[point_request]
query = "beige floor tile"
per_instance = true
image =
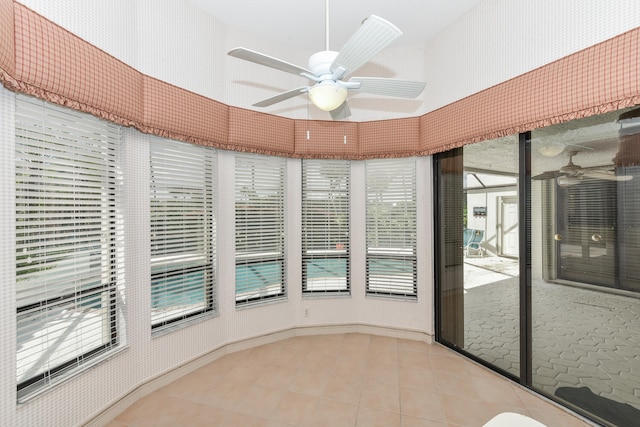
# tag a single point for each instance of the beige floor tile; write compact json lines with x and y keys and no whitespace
{"x":294,"y":408}
{"x":414,"y":359}
{"x":191,"y":386}
{"x":205,"y":415}
{"x":385,"y":373}
{"x":332,"y":413}
{"x":533,"y":402}
{"x":465,"y":412}
{"x":157,"y":409}
{"x":353,"y":350}
{"x":356,"y":339}
{"x":494,"y":389}
{"x":349,"y":365}
{"x":225,"y":363}
{"x":226,"y":394}
{"x":259,"y":401}
{"x":476,"y":370}
{"x":412,"y":345}
{"x":345,"y":388}
{"x":309,"y":382}
{"x":276,"y":376}
{"x":455,"y":385}
{"x":236,"y":419}
{"x":259,"y":422}
{"x":383,"y":350}
{"x":326,"y":343}
{"x":377,"y":340}
{"x":320,"y":360}
{"x":421,"y":404}
{"x":301,"y":342}
{"x":247,"y":373}
{"x":340,"y":380}
{"x":268,"y":353}
{"x":369,"y":417}
{"x":449,"y":363}
{"x":439,"y":349}
{"x":417,"y":379}
{"x":408,"y":421}
{"x":380,"y":396}
{"x":291,"y":358}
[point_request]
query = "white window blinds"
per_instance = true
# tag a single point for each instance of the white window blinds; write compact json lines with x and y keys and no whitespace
{"x":325,"y":226}
{"x":67,"y":241}
{"x":259,"y":189}
{"x":391,"y":227}
{"x":183,"y":232}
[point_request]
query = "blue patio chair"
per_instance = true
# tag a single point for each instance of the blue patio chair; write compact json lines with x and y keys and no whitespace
{"x":472,"y":239}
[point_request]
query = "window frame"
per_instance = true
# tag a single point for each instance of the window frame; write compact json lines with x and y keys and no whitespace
{"x":52,"y":144}
{"x":314,"y":185}
{"x":172,"y":161}
{"x":381,"y":261}
{"x":260,"y":188}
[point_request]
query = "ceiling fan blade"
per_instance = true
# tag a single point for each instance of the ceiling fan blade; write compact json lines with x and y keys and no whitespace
{"x":281,"y":97}
{"x":342,"y":112}
{"x":547,"y":175}
{"x":389,"y":87}
{"x":267,"y":61}
{"x":606,"y":175}
{"x":373,"y":35}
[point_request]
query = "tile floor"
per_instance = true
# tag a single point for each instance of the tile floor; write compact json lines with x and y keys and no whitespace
{"x":340,"y":380}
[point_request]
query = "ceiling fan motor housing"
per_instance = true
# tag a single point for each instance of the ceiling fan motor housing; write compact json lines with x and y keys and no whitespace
{"x":320,"y":63}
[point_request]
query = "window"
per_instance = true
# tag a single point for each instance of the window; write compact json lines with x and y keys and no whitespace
{"x":67,"y":241}
{"x":391,"y":227}
{"x":325,"y":226}
{"x":182,"y":232}
{"x":259,"y":190}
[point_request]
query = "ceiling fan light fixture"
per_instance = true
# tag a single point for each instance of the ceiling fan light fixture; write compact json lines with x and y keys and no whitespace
{"x":327,"y":95}
{"x":550,"y":149}
{"x":629,"y":122}
{"x":568,"y":181}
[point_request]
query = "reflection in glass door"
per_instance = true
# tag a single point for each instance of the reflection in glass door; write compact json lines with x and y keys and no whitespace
{"x":574,"y":315}
{"x":479,"y":274}
{"x":585,"y":240}
{"x":586,"y":231}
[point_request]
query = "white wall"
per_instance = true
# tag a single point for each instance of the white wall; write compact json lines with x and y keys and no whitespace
{"x":501,"y":39}
{"x":490,"y":199}
{"x":497,"y":40}
{"x":146,"y":356}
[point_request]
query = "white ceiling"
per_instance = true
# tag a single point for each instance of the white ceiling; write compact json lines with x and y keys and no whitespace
{"x":301,"y":23}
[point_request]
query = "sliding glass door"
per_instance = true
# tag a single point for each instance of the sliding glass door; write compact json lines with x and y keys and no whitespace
{"x":478,"y":218}
{"x":586,"y":248}
{"x":538,"y":260}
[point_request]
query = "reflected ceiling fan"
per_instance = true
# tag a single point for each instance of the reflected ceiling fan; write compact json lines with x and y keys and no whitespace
{"x":572,"y":174}
{"x":328,"y":69}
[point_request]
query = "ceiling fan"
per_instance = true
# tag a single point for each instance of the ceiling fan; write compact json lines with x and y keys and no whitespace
{"x":571,"y":174}
{"x":328,"y":69}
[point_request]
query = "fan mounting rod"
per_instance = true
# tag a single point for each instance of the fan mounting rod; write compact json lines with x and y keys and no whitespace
{"x":326,"y":25}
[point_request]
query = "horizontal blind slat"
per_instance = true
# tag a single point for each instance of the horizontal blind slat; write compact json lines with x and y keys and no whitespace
{"x":182,"y":197}
{"x":67,"y":261}
{"x":259,"y":222}
{"x":325,"y":225}
{"x":391,"y":226}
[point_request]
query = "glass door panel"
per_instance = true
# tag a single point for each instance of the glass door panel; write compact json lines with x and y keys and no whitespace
{"x":479,"y":269}
{"x":585,"y":198}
